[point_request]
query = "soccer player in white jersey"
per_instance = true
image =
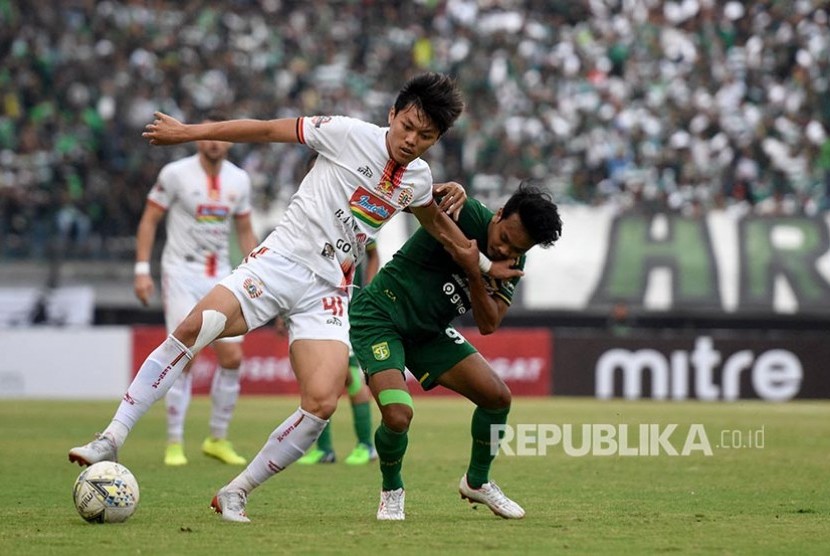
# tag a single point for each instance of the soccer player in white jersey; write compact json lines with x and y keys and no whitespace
{"x":365,"y":174}
{"x":201,"y":196}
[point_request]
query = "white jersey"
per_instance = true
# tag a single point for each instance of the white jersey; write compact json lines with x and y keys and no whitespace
{"x":353,"y":189}
{"x":200,"y":212}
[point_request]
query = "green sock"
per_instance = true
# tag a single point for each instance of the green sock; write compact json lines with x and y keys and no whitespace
{"x":391,"y":447}
{"x":481,"y":455}
{"x":324,"y":442}
{"x":362,"y":413}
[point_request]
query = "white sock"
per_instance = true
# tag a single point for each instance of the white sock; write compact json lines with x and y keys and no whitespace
{"x":155,"y":377}
{"x":224,"y":391}
{"x":287,"y":444}
{"x":177,"y":401}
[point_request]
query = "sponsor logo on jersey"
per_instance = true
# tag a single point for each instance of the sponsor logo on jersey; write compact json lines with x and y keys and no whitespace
{"x":386,"y":188}
{"x":212,"y":213}
{"x":335,"y":321}
{"x":328,"y":251}
{"x":252,"y":287}
{"x":366,"y":171}
{"x":369,"y":208}
{"x":381,"y":351}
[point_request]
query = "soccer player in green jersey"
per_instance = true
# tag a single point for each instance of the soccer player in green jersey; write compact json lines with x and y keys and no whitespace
{"x":451,"y":197}
{"x":403,"y":320}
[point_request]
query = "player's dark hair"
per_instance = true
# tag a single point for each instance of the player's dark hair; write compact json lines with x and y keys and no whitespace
{"x":539,"y":215}
{"x":436,"y":95}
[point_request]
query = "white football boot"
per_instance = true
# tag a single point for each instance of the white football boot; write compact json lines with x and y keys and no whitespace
{"x":231,"y":504}
{"x":103,"y":448}
{"x":491,"y":496}
{"x":391,"y":505}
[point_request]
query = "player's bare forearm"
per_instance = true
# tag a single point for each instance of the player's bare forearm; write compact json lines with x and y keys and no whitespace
{"x":245,"y":234}
{"x":145,"y":236}
{"x":488,"y":311}
{"x":250,"y":131}
{"x":166,"y":130}
{"x":442,"y":228}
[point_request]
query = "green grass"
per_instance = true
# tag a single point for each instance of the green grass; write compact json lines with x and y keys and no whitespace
{"x":738,"y":501}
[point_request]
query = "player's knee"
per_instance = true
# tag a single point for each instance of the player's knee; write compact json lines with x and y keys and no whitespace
{"x":200,"y":329}
{"x":232,"y":360}
{"x":499,"y":397}
{"x":397,"y":417}
{"x":187,"y":330}
{"x":322,"y":406}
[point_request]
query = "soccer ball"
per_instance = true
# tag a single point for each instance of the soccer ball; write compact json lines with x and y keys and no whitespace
{"x":106,"y":492}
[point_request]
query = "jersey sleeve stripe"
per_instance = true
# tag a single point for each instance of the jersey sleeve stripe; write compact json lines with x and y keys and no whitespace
{"x":298,"y":126}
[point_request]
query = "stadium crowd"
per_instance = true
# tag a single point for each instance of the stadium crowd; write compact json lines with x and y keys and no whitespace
{"x":677,"y":106}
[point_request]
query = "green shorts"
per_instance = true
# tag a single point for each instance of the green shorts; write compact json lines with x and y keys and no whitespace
{"x":380,"y":346}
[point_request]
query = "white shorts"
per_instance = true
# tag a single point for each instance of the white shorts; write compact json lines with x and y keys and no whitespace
{"x":180,"y":293}
{"x":269,"y":285}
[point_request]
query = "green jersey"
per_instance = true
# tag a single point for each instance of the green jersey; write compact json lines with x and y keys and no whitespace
{"x":360,"y":271}
{"x":423,"y":289}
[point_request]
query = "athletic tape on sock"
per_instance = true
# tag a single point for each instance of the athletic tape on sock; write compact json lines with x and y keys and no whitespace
{"x":387,"y":397}
{"x":213,"y":323}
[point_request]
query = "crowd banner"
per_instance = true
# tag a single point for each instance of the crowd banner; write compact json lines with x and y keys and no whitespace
{"x":717,"y":265}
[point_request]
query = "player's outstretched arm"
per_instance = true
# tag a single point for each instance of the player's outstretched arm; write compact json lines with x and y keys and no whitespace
{"x":167,"y":130}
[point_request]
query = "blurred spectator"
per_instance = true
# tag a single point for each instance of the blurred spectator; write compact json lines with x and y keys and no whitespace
{"x":683,"y":106}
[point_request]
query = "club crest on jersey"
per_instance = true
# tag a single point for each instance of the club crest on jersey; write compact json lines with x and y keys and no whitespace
{"x":405,"y":196}
{"x":381,"y":351}
{"x":212,"y":213}
{"x":252,"y":287}
{"x":369,"y":208}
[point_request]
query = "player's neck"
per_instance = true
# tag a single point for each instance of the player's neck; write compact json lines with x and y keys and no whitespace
{"x":210,"y":167}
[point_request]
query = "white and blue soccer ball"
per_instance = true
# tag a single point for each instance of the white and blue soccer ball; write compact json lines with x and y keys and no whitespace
{"x":106,"y":492}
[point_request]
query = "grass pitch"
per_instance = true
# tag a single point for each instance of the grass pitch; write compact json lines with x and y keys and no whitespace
{"x":760,"y":500}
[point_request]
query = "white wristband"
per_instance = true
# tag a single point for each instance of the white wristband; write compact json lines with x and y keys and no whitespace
{"x":484,"y":264}
{"x":143,"y":268}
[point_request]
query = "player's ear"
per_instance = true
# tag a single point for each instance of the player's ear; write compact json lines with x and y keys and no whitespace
{"x":498,"y":214}
{"x":391,"y":115}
